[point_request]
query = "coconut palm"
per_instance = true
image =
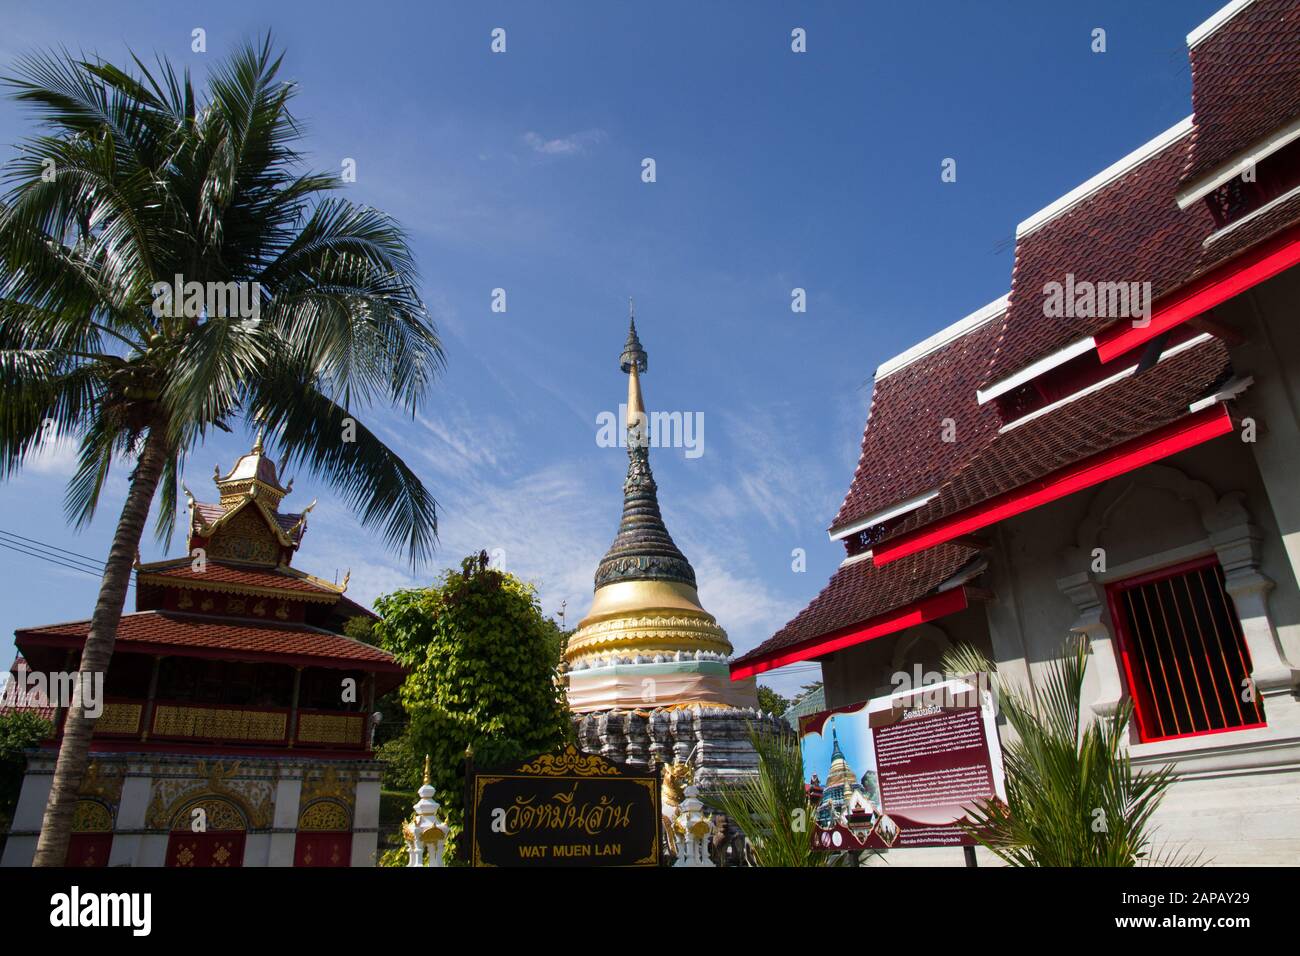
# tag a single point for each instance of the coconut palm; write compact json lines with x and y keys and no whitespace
{"x":137,"y":182}
{"x":1073,"y":797}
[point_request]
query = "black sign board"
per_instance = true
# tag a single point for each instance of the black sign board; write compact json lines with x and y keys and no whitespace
{"x":564,"y":809}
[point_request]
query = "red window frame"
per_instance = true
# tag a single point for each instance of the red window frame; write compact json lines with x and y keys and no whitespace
{"x":1144,"y":707}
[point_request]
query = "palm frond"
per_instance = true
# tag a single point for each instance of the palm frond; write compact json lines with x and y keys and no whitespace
{"x":1073,"y":796}
{"x":313,"y":432}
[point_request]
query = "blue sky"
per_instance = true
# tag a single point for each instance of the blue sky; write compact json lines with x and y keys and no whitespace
{"x":854,"y":734}
{"x":774,"y":170}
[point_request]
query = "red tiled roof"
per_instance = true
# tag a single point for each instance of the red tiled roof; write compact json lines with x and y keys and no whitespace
{"x":1095,"y":423}
{"x":1129,"y":230}
{"x":903,"y":451}
{"x":238,"y":639}
{"x":217,"y":573}
{"x":1245,"y":83}
{"x":861,"y":591}
{"x":18,"y":698}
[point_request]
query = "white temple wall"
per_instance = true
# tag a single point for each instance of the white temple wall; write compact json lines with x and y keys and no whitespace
{"x":1234,"y":786}
{"x":144,"y":795}
{"x":1270,"y":353}
{"x":1238,"y":797}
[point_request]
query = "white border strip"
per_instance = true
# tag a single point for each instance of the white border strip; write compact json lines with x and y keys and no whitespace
{"x":963,"y":575}
{"x":1238,"y":164}
{"x":1030,"y":372}
{"x":941,"y":338}
{"x":1266,"y":208}
{"x":1104,"y":383}
{"x":1216,"y":20}
{"x":1231,"y":390}
{"x":876,"y":517}
{"x":855,"y":559}
{"x":1107,"y":175}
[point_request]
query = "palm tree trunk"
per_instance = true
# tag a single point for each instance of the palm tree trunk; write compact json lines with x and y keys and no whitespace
{"x":74,"y":751}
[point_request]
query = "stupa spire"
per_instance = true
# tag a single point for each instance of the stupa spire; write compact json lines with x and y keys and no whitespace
{"x":646,"y":611}
{"x":633,"y":362}
{"x":643,"y":550}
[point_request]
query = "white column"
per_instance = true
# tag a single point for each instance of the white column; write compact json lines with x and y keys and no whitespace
{"x":127,"y":846}
{"x":20,"y":849}
{"x":365,"y":818}
{"x":1084,"y":593}
{"x":1238,"y":551}
{"x":284,"y":833}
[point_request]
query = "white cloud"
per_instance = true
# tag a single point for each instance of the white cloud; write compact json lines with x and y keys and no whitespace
{"x":56,"y":456}
{"x":569,"y":145}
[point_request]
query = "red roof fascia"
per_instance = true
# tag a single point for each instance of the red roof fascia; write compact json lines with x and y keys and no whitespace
{"x":1214,"y":288}
{"x":918,"y":612}
{"x":1177,"y":436}
{"x":221,"y":653}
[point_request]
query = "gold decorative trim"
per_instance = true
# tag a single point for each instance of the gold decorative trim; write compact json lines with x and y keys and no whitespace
{"x":331,"y":729}
{"x":330,"y":784}
{"x":210,"y":785}
{"x":570,"y":761}
{"x":119,"y":718}
{"x":268,"y":514}
{"x":218,"y":723}
{"x":676,"y":631}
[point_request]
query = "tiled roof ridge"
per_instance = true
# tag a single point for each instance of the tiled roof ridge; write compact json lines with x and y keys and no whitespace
{"x":862,"y":457}
{"x":328,"y":649}
{"x":1127,"y":165}
{"x":895,"y":585}
{"x":1211,"y":24}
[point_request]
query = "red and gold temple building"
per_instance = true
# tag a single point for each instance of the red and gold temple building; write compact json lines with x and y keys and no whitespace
{"x":1124,"y":474}
{"x":237,"y":720}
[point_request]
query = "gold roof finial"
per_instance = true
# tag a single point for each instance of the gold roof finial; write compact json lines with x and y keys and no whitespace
{"x":257,"y":442}
{"x":633,"y":362}
{"x":426,"y":770}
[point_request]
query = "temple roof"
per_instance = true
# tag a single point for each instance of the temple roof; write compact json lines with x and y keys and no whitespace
{"x":903,"y":451}
{"x":859,"y":591}
{"x":255,"y":466}
{"x":1124,"y":225}
{"x":223,"y":576}
{"x":1245,"y":81}
{"x":1109,"y":417}
{"x":234,"y":638}
{"x":642,"y":550}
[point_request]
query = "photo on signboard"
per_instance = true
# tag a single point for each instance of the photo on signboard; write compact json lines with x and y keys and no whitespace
{"x":901,"y":770}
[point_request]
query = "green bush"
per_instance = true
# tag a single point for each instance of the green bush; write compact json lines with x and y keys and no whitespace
{"x":482,"y":662}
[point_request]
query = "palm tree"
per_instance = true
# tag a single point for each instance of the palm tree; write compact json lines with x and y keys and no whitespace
{"x":136,"y":183}
{"x":1073,"y":797}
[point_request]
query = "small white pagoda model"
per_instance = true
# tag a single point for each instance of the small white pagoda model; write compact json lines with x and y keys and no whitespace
{"x":425,"y":834}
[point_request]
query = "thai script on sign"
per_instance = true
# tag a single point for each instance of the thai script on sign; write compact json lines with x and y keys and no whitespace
{"x":563,"y":812}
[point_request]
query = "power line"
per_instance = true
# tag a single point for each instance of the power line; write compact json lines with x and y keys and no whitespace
{"x":75,"y":554}
{"x":52,"y":554}
{"x":52,"y":559}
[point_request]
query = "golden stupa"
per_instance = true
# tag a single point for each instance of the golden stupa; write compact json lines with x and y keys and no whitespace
{"x":647,"y":642}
